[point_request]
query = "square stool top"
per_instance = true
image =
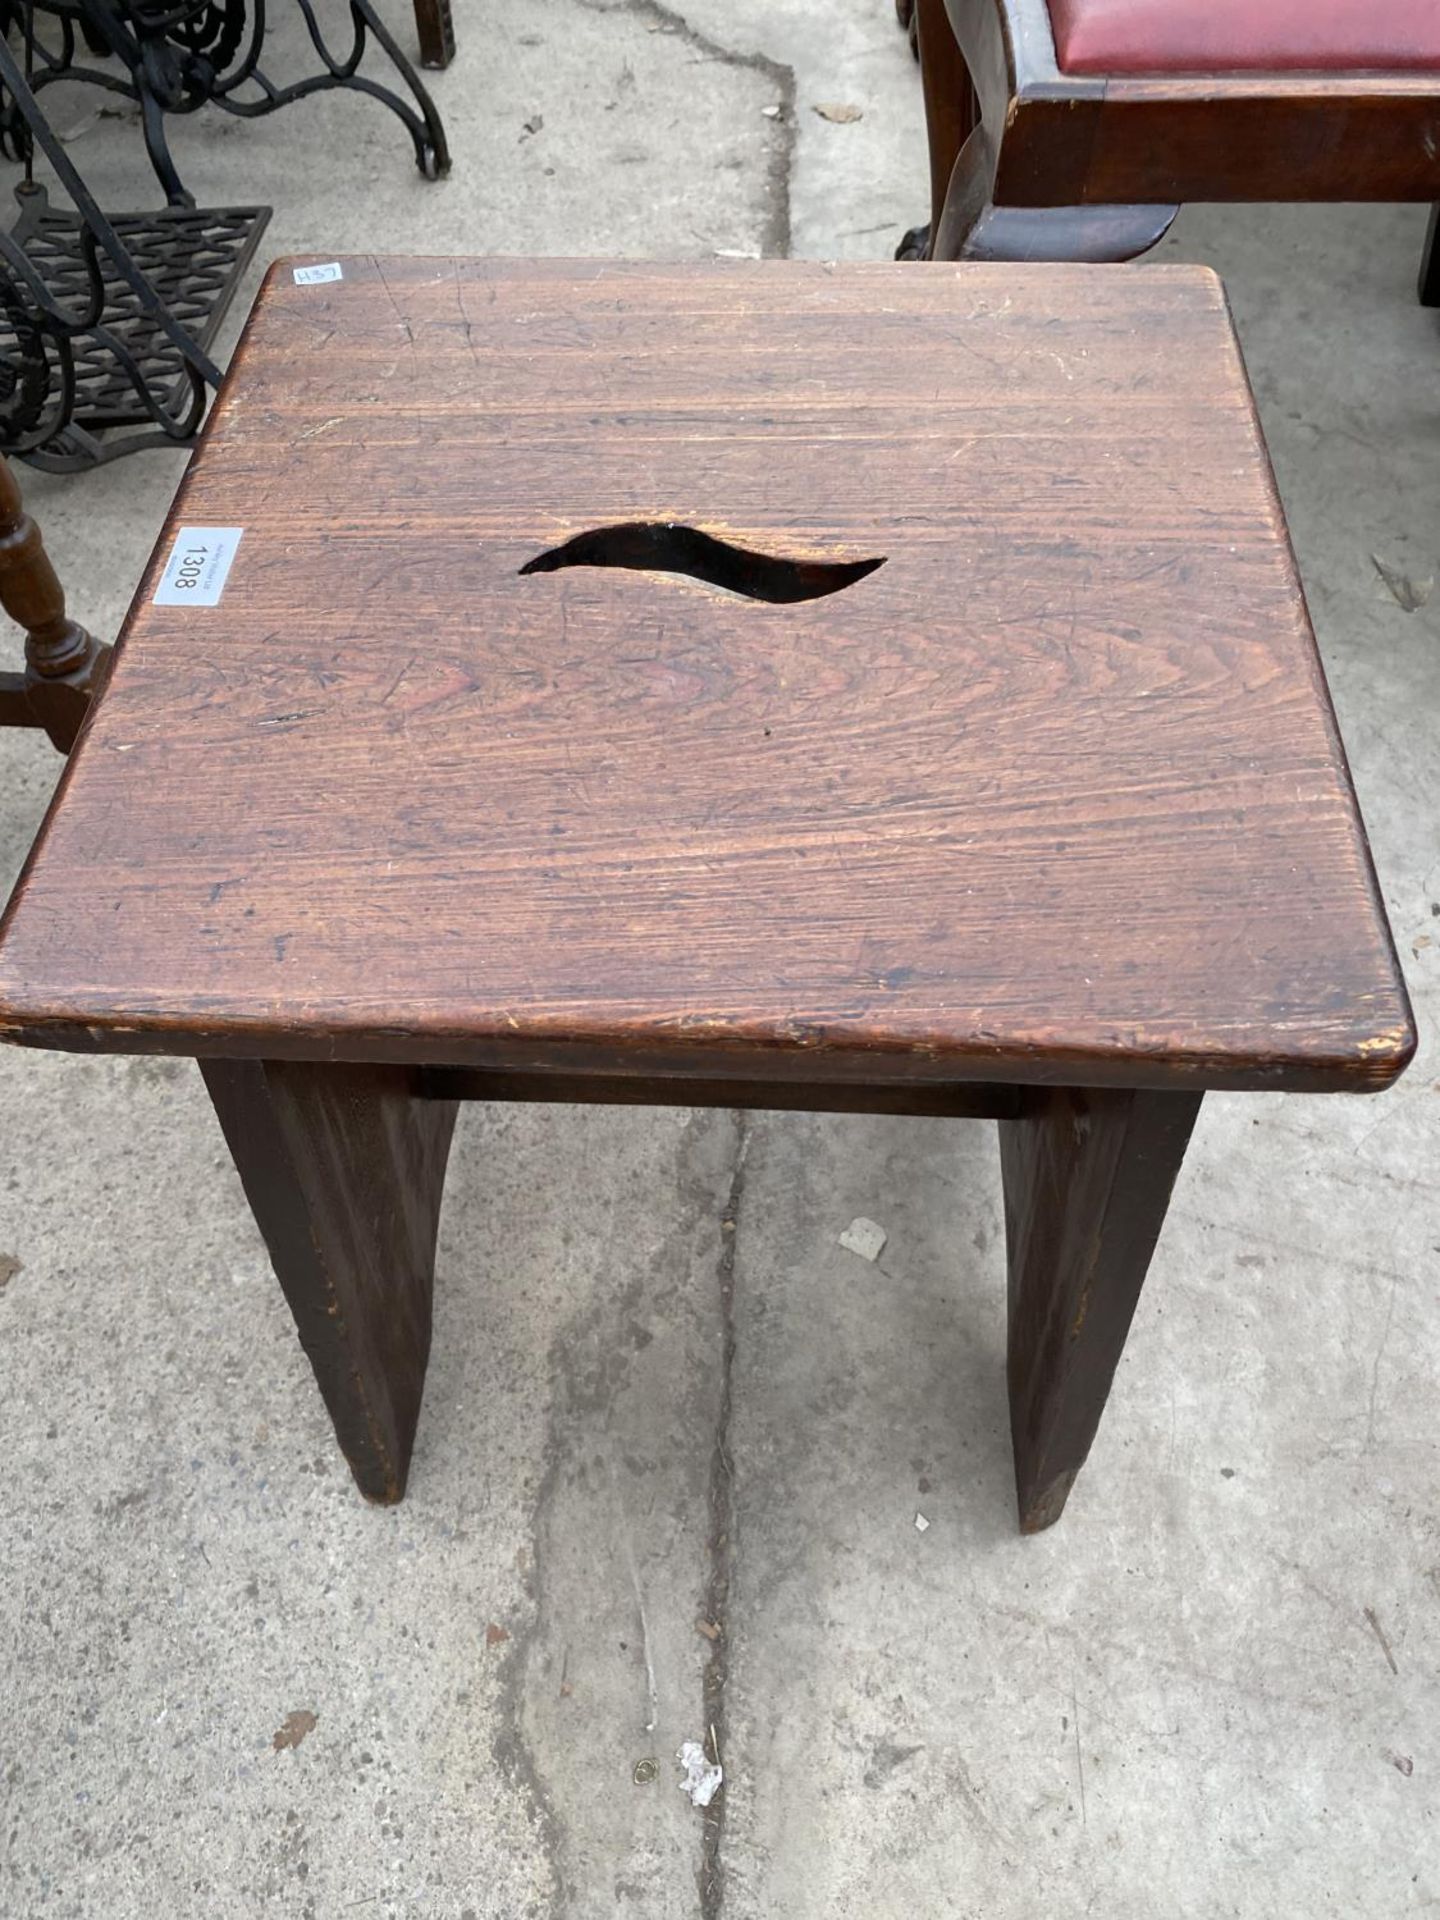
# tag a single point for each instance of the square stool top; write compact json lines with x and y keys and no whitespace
{"x":1055,"y":793}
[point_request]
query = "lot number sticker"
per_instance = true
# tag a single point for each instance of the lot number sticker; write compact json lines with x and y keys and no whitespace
{"x":199,"y":563}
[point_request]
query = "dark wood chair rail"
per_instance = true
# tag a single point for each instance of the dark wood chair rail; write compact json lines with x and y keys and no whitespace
{"x":1029,"y":162}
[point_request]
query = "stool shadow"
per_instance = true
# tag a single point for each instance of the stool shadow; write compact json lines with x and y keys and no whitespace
{"x":877,"y":1390}
{"x":562,"y":1232}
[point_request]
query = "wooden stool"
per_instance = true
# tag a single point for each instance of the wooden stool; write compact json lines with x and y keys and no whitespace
{"x":621,"y":691}
{"x":1074,"y":129}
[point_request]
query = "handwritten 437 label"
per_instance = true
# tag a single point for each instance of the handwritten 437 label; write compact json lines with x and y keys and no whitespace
{"x":198,"y":567}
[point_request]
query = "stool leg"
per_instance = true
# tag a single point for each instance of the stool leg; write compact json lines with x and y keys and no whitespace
{"x":1088,"y":1175}
{"x":344,"y":1168}
{"x":1430,"y":263}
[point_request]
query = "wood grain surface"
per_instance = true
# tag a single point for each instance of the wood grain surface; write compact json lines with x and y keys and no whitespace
{"x":344,"y":1168}
{"x":1088,"y":1175}
{"x":1054,"y":795}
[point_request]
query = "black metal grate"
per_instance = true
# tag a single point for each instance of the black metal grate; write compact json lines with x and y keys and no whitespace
{"x":191,"y":260}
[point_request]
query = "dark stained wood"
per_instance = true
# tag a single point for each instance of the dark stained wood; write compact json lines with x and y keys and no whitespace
{"x":344,"y":1168}
{"x":1087,"y":1179}
{"x":951,"y":109}
{"x":15,"y":702}
{"x":1055,"y":795}
{"x":436,"y":28}
{"x":1055,"y":233}
{"x":1062,"y":139}
{"x":64,"y":665}
{"x":965,"y":1102}
{"x":972,"y":227}
{"x":1039,"y":812}
{"x":1335,"y":137}
{"x":1430,"y":263}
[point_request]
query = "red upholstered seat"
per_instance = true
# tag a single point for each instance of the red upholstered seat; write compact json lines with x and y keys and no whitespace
{"x":1246,"y":36}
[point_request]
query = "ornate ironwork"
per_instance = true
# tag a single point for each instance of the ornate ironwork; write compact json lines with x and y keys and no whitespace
{"x":105,"y":321}
{"x":187,"y":54}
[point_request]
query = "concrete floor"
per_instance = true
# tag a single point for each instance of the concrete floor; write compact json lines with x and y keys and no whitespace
{"x":1211,"y":1691}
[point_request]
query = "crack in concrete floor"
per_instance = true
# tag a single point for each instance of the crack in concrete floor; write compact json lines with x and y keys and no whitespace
{"x":776,"y":244}
{"x":629,"y":1533}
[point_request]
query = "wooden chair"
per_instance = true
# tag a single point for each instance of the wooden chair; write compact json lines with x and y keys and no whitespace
{"x":1075,"y":129}
{"x":64,"y":665}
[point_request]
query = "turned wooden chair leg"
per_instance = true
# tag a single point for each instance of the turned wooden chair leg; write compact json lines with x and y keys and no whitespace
{"x":437,"y":32}
{"x":64,"y":665}
{"x":344,"y":1168}
{"x":1430,"y":263}
{"x":1088,"y":1176}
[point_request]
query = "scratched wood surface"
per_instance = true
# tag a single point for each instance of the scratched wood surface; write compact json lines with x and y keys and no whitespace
{"x":1055,"y":794}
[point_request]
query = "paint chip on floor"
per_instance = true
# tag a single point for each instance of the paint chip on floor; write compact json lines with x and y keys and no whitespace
{"x":864,"y":1237}
{"x":294,"y":1729}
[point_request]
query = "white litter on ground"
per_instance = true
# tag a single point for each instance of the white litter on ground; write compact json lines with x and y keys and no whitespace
{"x":922,"y":1525}
{"x":702,"y":1779}
{"x":862,"y":1236}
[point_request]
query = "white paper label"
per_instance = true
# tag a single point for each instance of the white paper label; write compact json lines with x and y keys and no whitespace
{"x":199,"y":563}
{"x":316,"y":276}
